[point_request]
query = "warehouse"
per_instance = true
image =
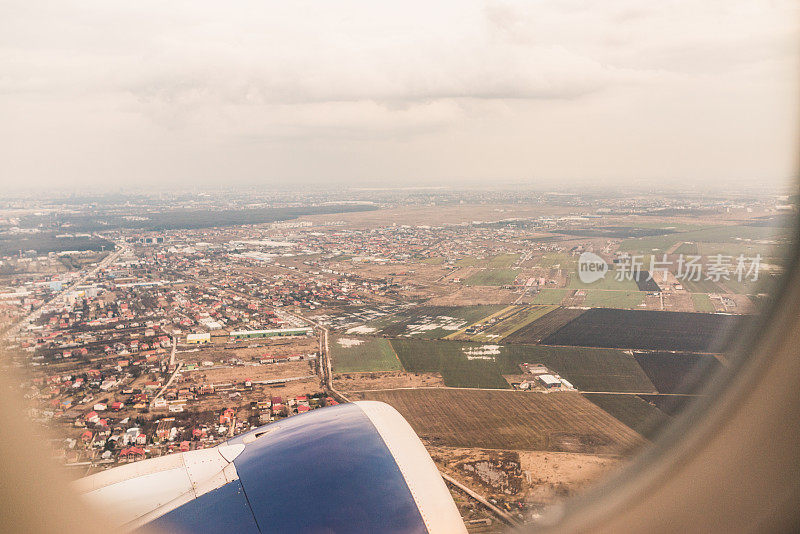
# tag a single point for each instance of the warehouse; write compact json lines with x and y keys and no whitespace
{"x":550,"y":381}
{"x":204,"y":337}
{"x":250,"y":334}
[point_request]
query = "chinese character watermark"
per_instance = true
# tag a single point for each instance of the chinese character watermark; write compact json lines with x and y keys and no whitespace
{"x":718,"y":267}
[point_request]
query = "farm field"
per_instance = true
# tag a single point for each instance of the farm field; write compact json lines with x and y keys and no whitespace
{"x":229,"y":374}
{"x":544,"y":326}
{"x":701,"y":286}
{"x":765,"y":284}
{"x":492,"y":277}
{"x":431,"y":322}
{"x":354,"y":354}
{"x":451,"y":359}
{"x":676,"y":372}
{"x":613,"y":299}
{"x":587,"y":369}
{"x":646,"y":282}
{"x":633,"y":411}
{"x":748,"y":249}
{"x":469,"y":261}
{"x":435,"y":260}
{"x":502,"y":261}
{"x":493,"y":319}
{"x":671,"y":405}
{"x":687,"y":248}
{"x":550,"y":296}
{"x":702,"y":302}
{"x":618,"y":232}
{"x":513,"y":322}
{"x":715,"y":234}
{"x":560,"y":260}
{"x":385,"y":380}
{"x":640,"y":329}
{"x":608,"y":282}
{"x":564,"y":422}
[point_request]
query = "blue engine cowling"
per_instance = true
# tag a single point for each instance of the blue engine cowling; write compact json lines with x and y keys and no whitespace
{"x":356,"y":467}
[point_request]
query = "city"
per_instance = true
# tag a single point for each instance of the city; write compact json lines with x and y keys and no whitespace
{"x":138,"y":329}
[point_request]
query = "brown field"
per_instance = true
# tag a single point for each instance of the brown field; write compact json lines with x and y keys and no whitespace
{"x":416,"y":273}
{"x":564,"y":421}
{"x":270,"y":348}
{"x":554,"y":475}
{"x":543,"y":326}
{"x":239,"y":373}
{"x":385,"y":380}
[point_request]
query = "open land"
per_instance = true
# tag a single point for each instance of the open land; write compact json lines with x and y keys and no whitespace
{"x":563,"y":422}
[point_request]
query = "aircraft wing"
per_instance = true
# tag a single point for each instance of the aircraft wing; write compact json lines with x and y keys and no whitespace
{"x":355,"y":467}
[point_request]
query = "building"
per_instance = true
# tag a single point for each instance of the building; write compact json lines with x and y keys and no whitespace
{"x":550,"y":381}
{"x":250,"y":334}
{"x":204,"y":337}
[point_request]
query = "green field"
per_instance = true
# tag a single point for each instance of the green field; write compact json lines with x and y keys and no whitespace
{"x":748,"y":287}
{"x":639,"y":415}
{"x":372,"y":354}
{"x":687,"y":248}
{"x":523,"y":317}
{"x":715,"y":234}
{"x":588,"y":369}
{"x":702,"y":303}
{"x":560,"y":259}
{"x":469,"y":261}
{"x":609,"y":282}
{"x":492,"y":277}
{"x":551,"y":296}
{"x":502,"y":261}
{"x":614,"y":299}
{"x":448,"y":358}
{"x":700,"y":286}
{"x":749,"y":250}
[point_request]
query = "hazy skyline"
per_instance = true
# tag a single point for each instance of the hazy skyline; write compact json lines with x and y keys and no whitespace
{"x":110,"y":94}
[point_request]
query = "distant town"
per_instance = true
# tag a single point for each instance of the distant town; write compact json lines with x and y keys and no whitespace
{"x":143,"y":324}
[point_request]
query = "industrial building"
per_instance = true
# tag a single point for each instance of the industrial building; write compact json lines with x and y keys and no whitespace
{"x":550,"y":381}
{"x":204,"y":337}
{"x":250,"y":334}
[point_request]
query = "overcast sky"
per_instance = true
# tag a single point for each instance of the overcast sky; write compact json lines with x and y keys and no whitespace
{"x":124,"y":94}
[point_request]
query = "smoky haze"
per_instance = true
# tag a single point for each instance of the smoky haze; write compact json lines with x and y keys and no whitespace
{"x":112,"y":94}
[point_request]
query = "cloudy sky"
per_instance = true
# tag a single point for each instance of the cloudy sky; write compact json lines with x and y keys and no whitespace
{"x":100,"y":93}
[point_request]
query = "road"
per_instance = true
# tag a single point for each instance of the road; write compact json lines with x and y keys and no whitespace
{"x":174,"y":350}
{"x":505,"y":517}
{"x":165,"y":386}
{"x":530,"y":392}
{"x":324,"y":355}
{"x":59,"y":297}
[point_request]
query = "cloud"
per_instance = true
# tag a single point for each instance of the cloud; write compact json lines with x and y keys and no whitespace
{"x":465,"y":76}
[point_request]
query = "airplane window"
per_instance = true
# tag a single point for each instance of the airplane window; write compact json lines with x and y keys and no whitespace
{"x":361,"y":267}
